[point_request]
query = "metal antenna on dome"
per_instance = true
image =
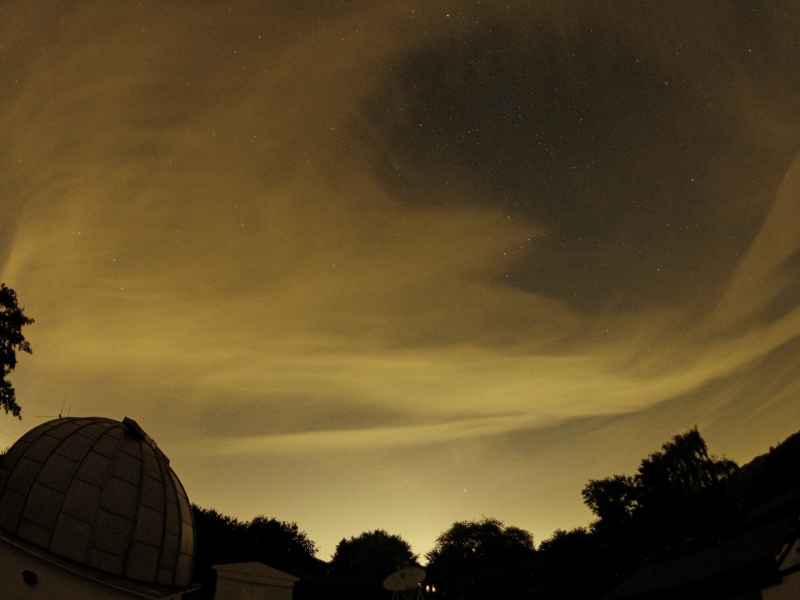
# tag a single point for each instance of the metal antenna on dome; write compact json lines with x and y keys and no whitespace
{"x":59,"y":412}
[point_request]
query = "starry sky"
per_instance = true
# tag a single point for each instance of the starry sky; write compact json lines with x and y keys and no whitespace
{"x":394,"y":264}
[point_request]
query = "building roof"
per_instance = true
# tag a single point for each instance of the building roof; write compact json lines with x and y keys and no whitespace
{"x":742,"y":563}
{"x":100,"y":494}
{"x":255,"y":569}
{"x":783,"y":504}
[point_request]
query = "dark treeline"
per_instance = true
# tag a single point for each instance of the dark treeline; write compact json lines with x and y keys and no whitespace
{"x":222,"y":539}
{"x":680,"y":498}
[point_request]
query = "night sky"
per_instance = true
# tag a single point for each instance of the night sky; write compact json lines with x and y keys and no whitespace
{"x":367,"y":265}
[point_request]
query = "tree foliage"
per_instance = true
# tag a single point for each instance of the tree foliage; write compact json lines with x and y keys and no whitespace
{"x":559,"y":555}
{"x":612,"y":499}
{"x":279,"y":544}
{"x":476,"y":558}
{"x":675,"y":491}
{"x":12,"y":320}
{"x":373,"y":555}
{"x":223,"y":539}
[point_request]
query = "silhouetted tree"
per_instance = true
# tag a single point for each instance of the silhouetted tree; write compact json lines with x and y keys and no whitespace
{"x":482,"y":559}
{"x":613,"y":500}
{"x":12,"y":320}
{"x":681,"y":498}
{"x":217,"y":532}
{"x":223,"y":539}
{"x":681,"y":486}
{"x":676,"y":491}
{"x":373,"y":555}
{"x":279,"y":544}
{"x":559,"y":554}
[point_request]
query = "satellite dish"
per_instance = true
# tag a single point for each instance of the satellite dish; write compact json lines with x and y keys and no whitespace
{"x":405,"y":579}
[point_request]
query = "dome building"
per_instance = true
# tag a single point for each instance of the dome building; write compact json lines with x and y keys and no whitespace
{"x":90,"y":508}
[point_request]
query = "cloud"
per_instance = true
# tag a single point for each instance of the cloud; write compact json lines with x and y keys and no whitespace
{"x":765,"y":272}
{"x":231,"y":220}
{"x":380,"y":229}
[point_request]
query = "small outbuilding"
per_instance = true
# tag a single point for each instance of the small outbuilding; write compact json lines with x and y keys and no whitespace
{"x":252,"y":581}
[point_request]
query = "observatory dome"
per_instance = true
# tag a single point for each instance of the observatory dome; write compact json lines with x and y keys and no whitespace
{"x":98,"y":495}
